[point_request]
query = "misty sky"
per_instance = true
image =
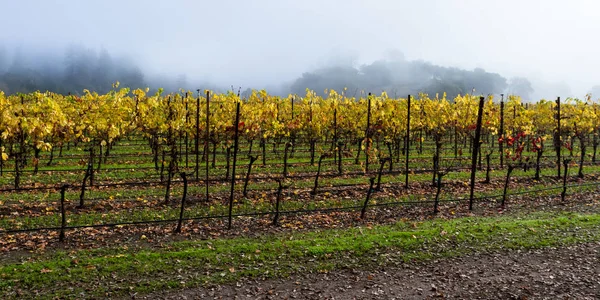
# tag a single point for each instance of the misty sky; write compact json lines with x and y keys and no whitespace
{"x":266,"y":42}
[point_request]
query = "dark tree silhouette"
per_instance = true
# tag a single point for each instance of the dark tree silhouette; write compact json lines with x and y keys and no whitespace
{"x":400,"y":77}
{"x":79,"y":68}
{"x":520,"y":86}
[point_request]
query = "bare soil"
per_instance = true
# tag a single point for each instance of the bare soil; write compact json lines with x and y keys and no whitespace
{"x":552,"y":273}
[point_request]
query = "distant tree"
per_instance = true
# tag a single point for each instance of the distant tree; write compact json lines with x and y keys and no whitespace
{"x":336,"y":78}
{"x":19,"y":77}
{"x":19,"y":61}
{"x":595,"y":91}
{"x":79,"y":69}
{"x":22,"y":81}
{"x":375,"y":76}
{"x":3,"y":68}
{"x":72,"y":71}
{"x":485,"y":82}
{"x":181,"y":82}
{"x":440,"y":86}
{"x":104,"y":72}
{"x":129,"y":74}
{"x":395,"y":55}
{"x":400,"y":77}
{"x":3,"y":59}
{"x":520,"y":86}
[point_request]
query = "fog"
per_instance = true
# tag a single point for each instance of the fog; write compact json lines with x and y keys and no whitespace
{"x":539,"y":49}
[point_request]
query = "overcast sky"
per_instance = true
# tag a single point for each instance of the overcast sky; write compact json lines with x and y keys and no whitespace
{"x":245,"y":42}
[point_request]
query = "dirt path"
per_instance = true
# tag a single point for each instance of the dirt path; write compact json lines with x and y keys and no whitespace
{"x":553,"y":273}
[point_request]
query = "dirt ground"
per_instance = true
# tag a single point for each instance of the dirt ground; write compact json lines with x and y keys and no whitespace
{"x":553,"y":273}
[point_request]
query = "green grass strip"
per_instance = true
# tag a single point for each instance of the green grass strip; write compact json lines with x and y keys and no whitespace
{"x":118,"y":271}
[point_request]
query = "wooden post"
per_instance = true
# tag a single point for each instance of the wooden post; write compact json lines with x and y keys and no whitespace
{"x":187,"y":134}
{"x":316,"y":185}
{"x":564,"y":190}
{"x":63,"y":218}
{"x":335,"y":137}
{"x":406,"y":142}
{"x":279,"y":190}
{"x":475,"y":151}
{"x":206,"y":137}
{"x":196,"y":146}
{"x":557,"y":137}
{"x":383,"y":161}
{"x":501,"y":133}
{"x":252,"y":160}
{"x":506,"y":182}
{"x":436,"y":203}
{"x":367,"y":134}
{"x":310,"y":135}
{"x":364,"y":209}
{"x":185,"y":187}
{"x":235,"y":150}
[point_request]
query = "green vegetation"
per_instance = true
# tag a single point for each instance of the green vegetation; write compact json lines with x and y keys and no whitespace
{"x":141,"y":269}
